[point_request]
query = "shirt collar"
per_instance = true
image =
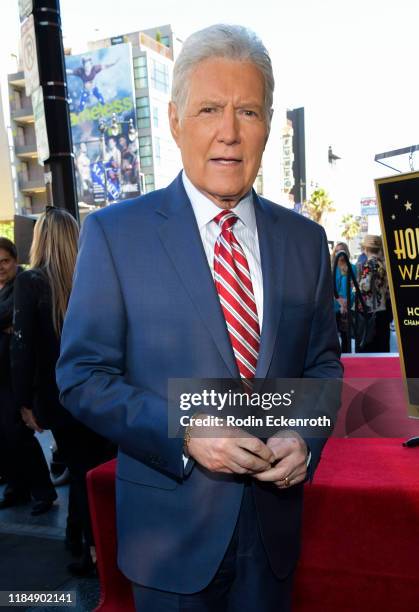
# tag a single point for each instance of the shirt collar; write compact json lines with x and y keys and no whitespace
{"x":205,"y":210}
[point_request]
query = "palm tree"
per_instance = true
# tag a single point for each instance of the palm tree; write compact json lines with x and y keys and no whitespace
{"x":318,"y":204}
{"x":7,"y":230}
{"x":351,"y":226}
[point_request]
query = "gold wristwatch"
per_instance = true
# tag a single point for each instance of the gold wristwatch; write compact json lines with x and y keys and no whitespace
{"x":188,"y":435}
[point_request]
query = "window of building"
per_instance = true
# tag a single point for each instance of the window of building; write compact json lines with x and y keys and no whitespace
{"x":157,"y":149}
{"x":143,"y":112}
{"x":146,"y":160}
{"x":143,"y":106}
{"x":141,"y":83}
{"x":17,"y":101}
{"x":143,"y":123}
{"x":24,"y":171}
{"x":259,"y":184}
{"x":165,"y":40}
{"x":140,"y":61}
{"x":156,"y":116}
{"x":140,"y":72}
{"x":159,"y":76}
{"x":27,"y":203}
{"x":149,"y":182}
{"x":20,"y":136}
{"x":146,"y":151}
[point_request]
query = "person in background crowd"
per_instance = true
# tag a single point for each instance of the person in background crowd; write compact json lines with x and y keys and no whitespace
{"x":373,"y":285}
{"x":41,"y":296}
{"x":21,"y":458}
{"x":342,"y":278}
{"x":362,"y":259}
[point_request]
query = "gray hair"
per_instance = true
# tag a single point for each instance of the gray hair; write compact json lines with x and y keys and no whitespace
{"x":231,"y":42}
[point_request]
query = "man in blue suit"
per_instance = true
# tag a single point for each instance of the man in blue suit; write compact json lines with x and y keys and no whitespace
{"x":203,"y":279}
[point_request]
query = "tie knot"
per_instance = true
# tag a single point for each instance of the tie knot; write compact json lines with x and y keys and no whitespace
{"x":226,"y":219}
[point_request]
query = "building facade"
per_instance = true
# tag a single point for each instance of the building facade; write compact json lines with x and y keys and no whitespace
{"x":6,"y":185}
{"x":153,"y":52}
{"x":30,"y":192}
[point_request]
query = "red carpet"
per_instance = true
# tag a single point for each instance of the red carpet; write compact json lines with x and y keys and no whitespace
{"x":368,"y":367}
{"x":361,"y":530}
{"x":360,"y":548}
{"x":374,"y":401}
{"x":361,"y":517}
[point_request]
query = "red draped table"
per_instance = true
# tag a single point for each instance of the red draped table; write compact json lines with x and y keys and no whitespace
{"x":360,"y":547}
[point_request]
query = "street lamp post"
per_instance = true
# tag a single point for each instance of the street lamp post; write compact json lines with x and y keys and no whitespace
{"x":50,"y":51}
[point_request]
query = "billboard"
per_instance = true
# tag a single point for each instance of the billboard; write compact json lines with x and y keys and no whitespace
{"x":104,"y":124}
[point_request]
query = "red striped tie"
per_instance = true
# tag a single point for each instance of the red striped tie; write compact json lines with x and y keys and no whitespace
{"x":235,"y":290}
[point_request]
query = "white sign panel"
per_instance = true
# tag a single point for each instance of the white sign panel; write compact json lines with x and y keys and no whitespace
{"x":25,"y":8}
{"x":40,"y":125}
{"x":369,"y":206}
{"x":29,"y":55}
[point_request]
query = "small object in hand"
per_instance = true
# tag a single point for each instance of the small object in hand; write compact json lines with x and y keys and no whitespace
{"x":286,"y":481}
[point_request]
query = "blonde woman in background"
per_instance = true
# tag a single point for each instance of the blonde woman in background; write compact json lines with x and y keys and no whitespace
{"x":41,"y":296}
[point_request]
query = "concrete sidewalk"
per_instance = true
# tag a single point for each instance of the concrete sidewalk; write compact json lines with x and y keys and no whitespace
{"x":32,"y":552}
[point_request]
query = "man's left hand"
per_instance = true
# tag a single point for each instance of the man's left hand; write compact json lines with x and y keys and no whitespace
{"x":290,"y":452}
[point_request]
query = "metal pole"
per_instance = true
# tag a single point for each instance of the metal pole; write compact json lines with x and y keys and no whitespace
{"x":54,"y":84}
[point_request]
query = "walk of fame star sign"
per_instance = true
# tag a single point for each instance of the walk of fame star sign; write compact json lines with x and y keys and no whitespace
{"x":398,"y":200}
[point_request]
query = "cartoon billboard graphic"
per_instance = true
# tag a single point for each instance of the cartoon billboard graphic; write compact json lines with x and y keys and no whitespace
{"x":103,"y":123}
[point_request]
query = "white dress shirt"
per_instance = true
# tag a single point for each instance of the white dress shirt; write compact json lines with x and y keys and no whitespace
{"x":244,"y":229}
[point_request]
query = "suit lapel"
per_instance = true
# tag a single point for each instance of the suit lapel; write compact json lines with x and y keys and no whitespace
{"x":272,"y":239}
{"x":180,"y":236}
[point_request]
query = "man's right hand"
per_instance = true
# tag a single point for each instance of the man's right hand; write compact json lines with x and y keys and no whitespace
{"x":224,"y":449}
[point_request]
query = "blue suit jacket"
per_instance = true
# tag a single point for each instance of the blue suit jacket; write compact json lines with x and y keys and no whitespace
{"x":144,"y":309}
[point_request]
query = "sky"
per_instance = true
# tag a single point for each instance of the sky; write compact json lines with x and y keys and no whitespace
{"x":350,"y":64}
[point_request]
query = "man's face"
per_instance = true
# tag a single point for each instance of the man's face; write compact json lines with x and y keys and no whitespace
{"x":223,"y":130}
{"x":8,"y":267}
